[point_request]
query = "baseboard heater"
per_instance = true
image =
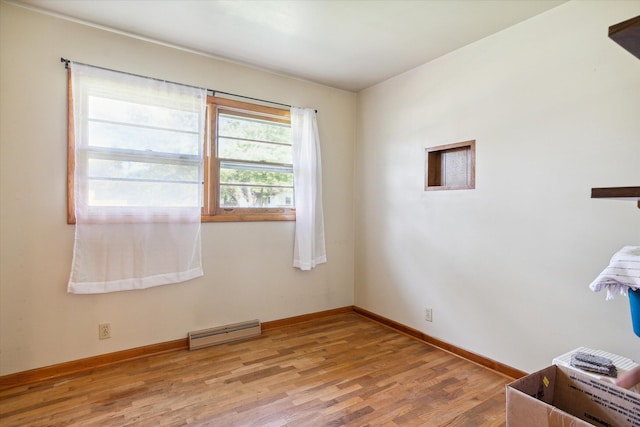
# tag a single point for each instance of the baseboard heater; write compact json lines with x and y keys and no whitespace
{"x":222,"y":334}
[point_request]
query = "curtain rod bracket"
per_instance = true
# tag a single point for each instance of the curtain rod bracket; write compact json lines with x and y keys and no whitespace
{"x":66,"y":63}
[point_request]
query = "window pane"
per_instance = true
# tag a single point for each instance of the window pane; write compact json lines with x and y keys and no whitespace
{"x":249,"y":128}
{"x":255,"y":186}
{"x":241,"y":196}
{"x":141,"y":114}
{"x":254,"y":151}
{"x":117,"y":180}
{"x":248,"y":174}
{"x":123,"y":136}
{"x":141,"y":193}
{"x":131,"y":170}
{"x":135,"y":184}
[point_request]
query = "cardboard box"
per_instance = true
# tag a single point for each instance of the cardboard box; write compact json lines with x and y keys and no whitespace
{"x":559,"y":396}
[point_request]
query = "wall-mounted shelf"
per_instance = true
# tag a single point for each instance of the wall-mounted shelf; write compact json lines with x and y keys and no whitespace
{"x":622,"y":193}
{"x":627,"y":35}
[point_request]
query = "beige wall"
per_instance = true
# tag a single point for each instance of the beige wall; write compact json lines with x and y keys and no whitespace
{"x":552,"y":103}
{"x":248,"y":272}
{"x":554,"y":107}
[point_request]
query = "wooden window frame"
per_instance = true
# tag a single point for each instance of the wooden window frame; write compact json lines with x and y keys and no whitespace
{"x":212,"y":211}
{"x":71,"y":155}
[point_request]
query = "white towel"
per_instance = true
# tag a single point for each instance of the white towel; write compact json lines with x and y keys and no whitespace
{"x":622,"y":274}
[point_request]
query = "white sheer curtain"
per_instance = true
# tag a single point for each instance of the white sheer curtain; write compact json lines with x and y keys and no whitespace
{"x":309,"y":247}
{"x":138,"y":154}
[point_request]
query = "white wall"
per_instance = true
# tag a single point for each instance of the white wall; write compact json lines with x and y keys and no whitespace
{"x":248,"y":272}
{"x":554,"y":107}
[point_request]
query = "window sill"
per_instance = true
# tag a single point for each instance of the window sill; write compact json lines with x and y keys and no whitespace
{"x":248,"y":217}
{"x":227,"y":218}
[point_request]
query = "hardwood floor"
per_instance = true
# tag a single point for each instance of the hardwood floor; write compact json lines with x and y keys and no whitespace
{"x":334,"y":371}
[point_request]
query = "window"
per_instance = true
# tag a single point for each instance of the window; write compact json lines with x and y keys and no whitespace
{"x":250,"y":172}
{"x":133,"y":162}
{"x":133,"y":159}
{"x":135,"y":148}
{"x":149,"y":160}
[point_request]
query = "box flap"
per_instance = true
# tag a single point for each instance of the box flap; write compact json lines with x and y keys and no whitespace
{"x":599,"y":402}
{"x":538,"y":385}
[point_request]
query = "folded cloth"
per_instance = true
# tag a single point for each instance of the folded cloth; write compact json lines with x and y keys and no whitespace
{"x":593,"y":363}
{"x":622,"y":274}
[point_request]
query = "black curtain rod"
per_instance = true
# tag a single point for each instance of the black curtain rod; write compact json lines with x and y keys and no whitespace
{"x":248,"y":97}
{"x":253,"y":99}
{"x":67,"y":61}
{"x":212,"y":91}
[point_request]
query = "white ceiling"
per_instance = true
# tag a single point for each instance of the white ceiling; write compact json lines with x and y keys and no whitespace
{"x":347,"y":44}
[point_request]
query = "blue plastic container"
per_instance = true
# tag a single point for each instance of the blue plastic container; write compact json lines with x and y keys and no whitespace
{"x":634,"y":302}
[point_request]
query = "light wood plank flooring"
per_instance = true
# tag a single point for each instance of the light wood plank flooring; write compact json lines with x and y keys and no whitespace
{"x":335,"y":371}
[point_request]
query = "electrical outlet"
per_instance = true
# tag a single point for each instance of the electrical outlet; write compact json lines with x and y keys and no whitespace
{"x":428,"y":315}
{"x":104,"y":331}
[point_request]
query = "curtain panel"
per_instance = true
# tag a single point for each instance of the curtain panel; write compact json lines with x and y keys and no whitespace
{"x":309,"y":245}
{"x":138,"y":167}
